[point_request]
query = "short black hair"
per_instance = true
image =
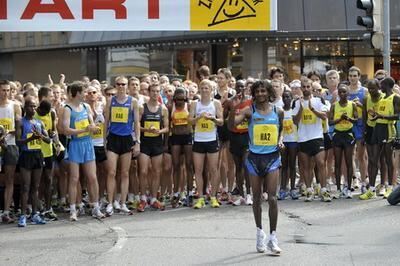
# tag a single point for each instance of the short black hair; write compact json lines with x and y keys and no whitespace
{"x":43,"y":92}
{"x":45,"y":106}
{"x":263,"y":84}
{"x":4,"y":82}
{"x":74,"y":88}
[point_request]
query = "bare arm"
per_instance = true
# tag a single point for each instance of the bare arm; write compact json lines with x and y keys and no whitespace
{"x":165,"y":118}
{"x":136,"y":118}
{"x":67,"y":129}
{"x":219,"y":119}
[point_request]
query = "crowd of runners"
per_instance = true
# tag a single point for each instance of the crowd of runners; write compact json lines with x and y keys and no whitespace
{"x":151,"y":142}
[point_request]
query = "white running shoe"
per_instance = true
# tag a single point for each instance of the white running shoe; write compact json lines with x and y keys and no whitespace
{"x":349,"y":195}
{"x":381,"y":190}
{"x":261,"y":237}
{"x":117,"y":206}
{"x":238,"y":201}
{"x":73,"y":217}
{"x":265,"y":196}
{"x":96,"y":213}
{"x":109,"y":210}
{"x":356,"y":183}
{"x":249,"y":200}
{"x":272,"y":245}
{"x":81,"y":210}
{"x":125,"y":209}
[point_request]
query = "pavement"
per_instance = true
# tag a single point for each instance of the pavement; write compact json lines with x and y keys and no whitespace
{"x":343,"y":232}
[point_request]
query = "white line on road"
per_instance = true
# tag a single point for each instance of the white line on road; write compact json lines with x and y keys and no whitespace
{"x":122,"y":237}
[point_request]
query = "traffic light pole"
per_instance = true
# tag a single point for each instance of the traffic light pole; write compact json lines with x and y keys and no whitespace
{"x":386,"y":36}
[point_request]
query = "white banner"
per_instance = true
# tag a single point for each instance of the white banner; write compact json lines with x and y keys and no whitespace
{"x":137,"y":15}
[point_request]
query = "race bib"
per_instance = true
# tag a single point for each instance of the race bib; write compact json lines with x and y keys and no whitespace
{"x":288,"y":127}
{"x":7,"y":123}
{"x":205,"y":125}
{"x":148,"y":124}
{"x":265,"y":135}
{"x":99,"y":132}
{"x":308,"y":117}
{"x":80,"y":125}
{"x":119,"y":114}
{"x":181,"y":118}
{"x":34,"y":144}
{"x":243,"y":125}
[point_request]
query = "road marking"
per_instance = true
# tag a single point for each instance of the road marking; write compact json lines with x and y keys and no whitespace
{"x":122,"y":237}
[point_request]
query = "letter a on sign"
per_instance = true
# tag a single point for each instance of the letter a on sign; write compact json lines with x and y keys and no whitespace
{"x":36,"y":6}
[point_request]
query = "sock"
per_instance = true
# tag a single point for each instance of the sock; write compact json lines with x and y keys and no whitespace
{"x":118,"y":197}
{"x":72,"y":207}
{"x":6,"y":213}
{"x":137,"y":197}
{"x":190,"y":193}
{"x":272,"y":235}
{"x":259,"y":229}
{"x":95,"y":205}
{"x":309,"y":189}
{"x":143,"y":197}
{"x":153,"y":200}
{"x":63,"y":200}
{"x":372,"y":188}
{"x":323,"y":190}
{"x":176,"y":194}
{"x":130,"y":197}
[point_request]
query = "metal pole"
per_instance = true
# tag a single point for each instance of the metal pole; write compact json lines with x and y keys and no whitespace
{"x":386,"y":35}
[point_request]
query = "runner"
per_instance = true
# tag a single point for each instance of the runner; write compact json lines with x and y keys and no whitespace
{"x":225,"y":161}
{"x":308,"y":114}
{"x":10,"y":115}
{"x":181,"y":141}
{"x":78,"y":123}
{"x":289,"y":152}
{"x":48,"y":116}
{"x":205,"y":115}
{"x":29,"y":136}
{"x":263,"y":162}
{"x":134,"y":185}
{"x":342,"y":116}
{"x":357,"y":94}
{"x":388,"y":109}
{"x":370,"y":106}
{"x":123,"y":134}
{"x":153,"y":124}
{"x":239,"y":148}
{"x":92,"y":99}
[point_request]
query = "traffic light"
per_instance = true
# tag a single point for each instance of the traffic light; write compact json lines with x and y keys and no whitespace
{"x":372,"y":21}
{"x":367,"y":20}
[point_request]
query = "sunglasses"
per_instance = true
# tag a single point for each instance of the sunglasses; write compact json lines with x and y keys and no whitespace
{"x":308,"y":86}
{"x":92,"y":92}
{"x":120,"y":84}
{"x":110,"y":94}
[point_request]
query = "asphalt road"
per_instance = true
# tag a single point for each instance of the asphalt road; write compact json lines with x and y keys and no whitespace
{"x":344,"y":232}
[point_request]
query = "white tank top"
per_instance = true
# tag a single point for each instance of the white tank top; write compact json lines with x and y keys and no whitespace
{"x":98,"y":137}
{"x":141,"y":100}
{"x":289,"y":128}
{"x":7,"y":120}
{"x":205,"y":130}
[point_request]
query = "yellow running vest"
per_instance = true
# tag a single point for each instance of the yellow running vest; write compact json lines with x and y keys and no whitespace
{"x":47,"y":148}
{"x":343,"y":125}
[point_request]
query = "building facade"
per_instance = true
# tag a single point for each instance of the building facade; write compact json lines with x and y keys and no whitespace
{"x":312,"y":35}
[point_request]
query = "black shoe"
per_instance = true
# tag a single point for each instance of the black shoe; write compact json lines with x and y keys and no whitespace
{"x":235,"y":192}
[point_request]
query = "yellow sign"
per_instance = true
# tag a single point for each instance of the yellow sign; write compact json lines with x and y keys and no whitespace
{"x":232,"y":14}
